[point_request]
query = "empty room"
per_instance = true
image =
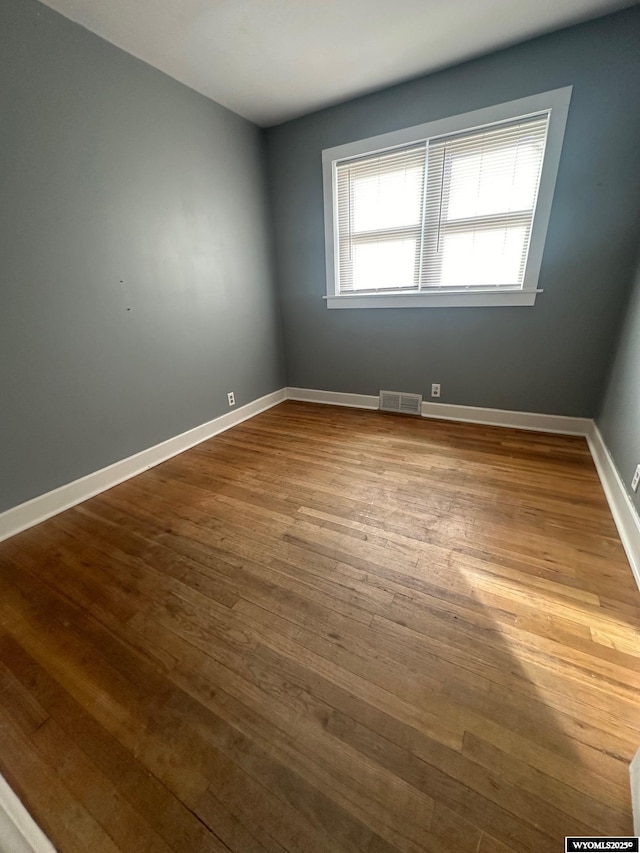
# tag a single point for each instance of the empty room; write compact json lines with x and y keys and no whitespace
{"x":319,"y":426}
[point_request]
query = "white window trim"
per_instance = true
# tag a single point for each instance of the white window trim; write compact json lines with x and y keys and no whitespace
{"x":557,"y":101}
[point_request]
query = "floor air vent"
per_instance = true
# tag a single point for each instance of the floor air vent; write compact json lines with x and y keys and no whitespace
{"x":395,"y":401}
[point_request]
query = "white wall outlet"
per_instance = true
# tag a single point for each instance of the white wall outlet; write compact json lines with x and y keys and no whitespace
{"x":435,"y":389}
{"x":231,"y":397}
{"x":636,"y":479}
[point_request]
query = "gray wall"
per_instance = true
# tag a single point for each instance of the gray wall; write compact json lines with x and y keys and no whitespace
{"x":619,"y":419}
{"x":552,"y":358}
{"x":135,"y":268}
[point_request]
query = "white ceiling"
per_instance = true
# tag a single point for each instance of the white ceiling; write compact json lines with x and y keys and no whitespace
{"x":272,"y":60}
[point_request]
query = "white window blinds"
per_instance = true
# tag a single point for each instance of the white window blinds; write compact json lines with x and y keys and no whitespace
{"x":448,"y":213}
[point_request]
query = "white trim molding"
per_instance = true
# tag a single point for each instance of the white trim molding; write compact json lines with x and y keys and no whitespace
{"x":448,"y":412}
{"x":19,"y":833}
{"x":554,"y":103}
{"x":334,"y":398}
{"x":535,"y":421}
{"x":622,"y":509}
{"x":634,"y":773}
{"x":38,"y":509}
{"x":450,"y":299}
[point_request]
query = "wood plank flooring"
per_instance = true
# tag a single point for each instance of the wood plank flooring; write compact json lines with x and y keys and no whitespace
{"x":327,"y":630}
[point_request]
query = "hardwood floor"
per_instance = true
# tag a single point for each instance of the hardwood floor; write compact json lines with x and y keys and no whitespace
{"x":327,"y":630}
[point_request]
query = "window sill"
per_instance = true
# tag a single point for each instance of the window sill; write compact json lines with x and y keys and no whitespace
{"x":478,"y":299}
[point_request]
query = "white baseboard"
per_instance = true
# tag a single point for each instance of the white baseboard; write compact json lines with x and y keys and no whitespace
{"x":38,"y":509}
{"x":19,"y":833}
{"x":634,"y":772}
{"x":334,"y":398}
{"x":448,"y":412}
{"x":622,"y":509}
{"x":505,"y":418}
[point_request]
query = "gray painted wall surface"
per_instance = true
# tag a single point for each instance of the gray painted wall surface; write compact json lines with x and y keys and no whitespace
{"x":551,"y":358}
{"x":135,"y":267}
{"x":619,"y":419}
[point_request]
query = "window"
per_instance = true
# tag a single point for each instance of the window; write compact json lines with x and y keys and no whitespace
{"x":451,"y":213}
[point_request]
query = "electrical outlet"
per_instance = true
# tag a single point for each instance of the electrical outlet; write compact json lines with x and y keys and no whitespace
{"x":636,"y":479}
{"x":231,"y":397}
{"x":435,"y":389}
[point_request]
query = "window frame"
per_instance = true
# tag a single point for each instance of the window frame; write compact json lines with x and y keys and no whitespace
{"x":556,"y":101}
